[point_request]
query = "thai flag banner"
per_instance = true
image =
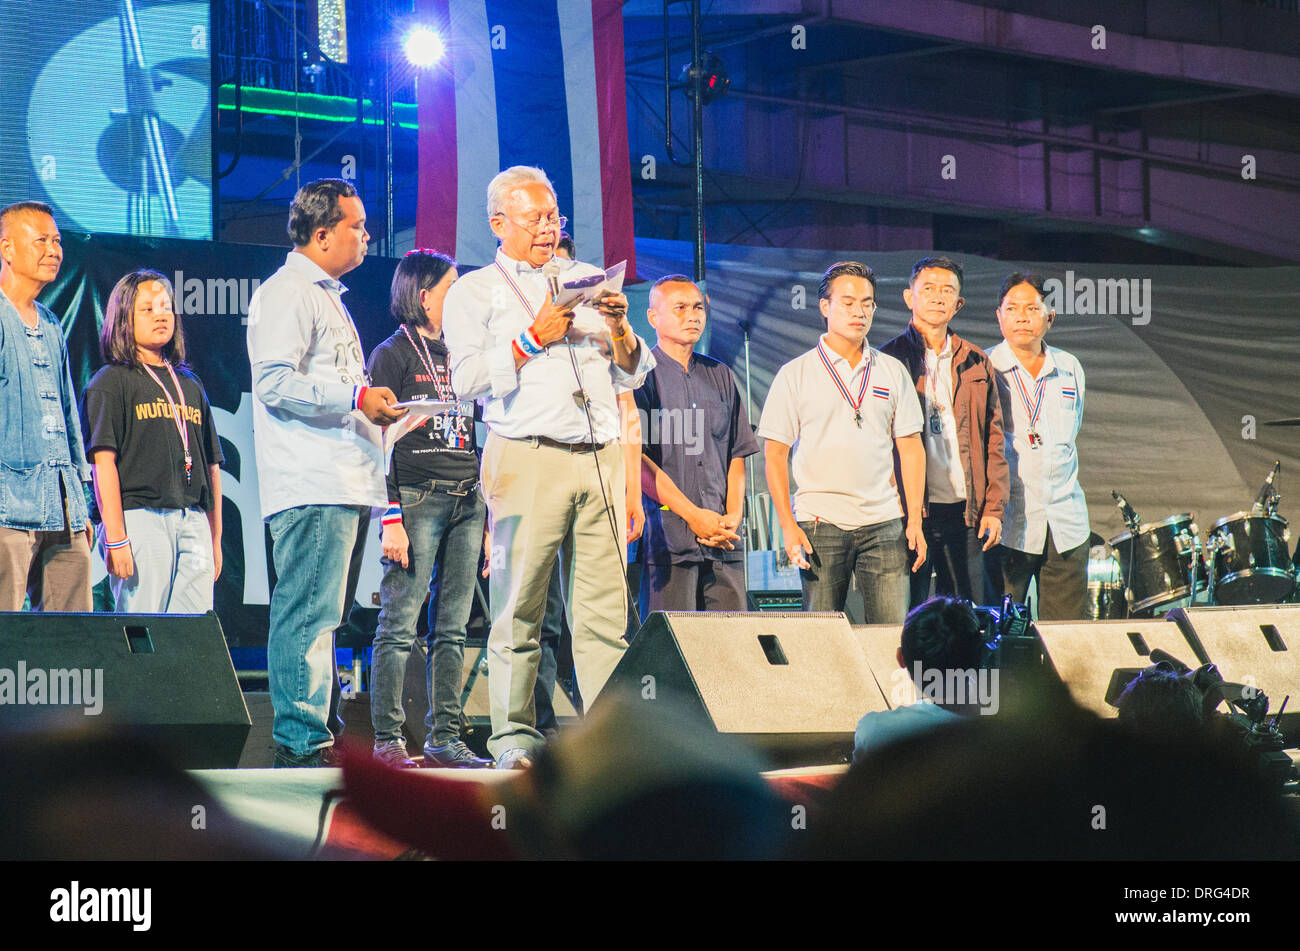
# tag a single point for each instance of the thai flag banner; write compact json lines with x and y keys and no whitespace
{"x":538,"y":84}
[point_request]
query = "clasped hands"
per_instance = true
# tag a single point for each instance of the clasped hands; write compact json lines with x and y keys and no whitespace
{"x":714,"y":529}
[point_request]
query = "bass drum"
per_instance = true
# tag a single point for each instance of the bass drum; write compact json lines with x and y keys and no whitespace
{"x":1157,"y":565}
{"x":1251,"y":561}
{"x":1105,"y":585}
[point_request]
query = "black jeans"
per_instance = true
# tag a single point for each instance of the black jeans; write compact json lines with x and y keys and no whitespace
{"x":1062,"y":579}
{"x":876,"y":555}
{"x":694,"y":586}
{"x":955,"y":554}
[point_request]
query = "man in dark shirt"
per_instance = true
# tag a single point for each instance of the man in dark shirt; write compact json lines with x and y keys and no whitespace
{"x":433,"y":526}
{"x":696,"y":435}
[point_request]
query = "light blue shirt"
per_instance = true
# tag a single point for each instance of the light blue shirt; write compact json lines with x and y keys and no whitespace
{"x":1045,"y":489}
{"x":483,"y":315}
{"x":312,"y":447}
{"x":883,"y":727}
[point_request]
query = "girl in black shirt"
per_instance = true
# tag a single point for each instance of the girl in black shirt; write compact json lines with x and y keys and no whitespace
{"x":156,"y":456}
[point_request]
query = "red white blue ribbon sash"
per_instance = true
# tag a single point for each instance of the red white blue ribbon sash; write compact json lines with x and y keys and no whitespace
{"x":844,"y":390}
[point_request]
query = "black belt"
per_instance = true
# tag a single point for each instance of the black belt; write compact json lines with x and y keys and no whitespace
{"x":570,"y":446}
{"x":464,"y":487}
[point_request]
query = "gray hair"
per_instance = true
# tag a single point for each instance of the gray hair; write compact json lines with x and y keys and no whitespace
{"x":504,"y":184}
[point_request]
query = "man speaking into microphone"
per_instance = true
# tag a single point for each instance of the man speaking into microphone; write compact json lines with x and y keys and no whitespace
{"x":552,"y":473}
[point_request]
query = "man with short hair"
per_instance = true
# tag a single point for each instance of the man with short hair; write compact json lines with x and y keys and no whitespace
{"x":696,"y":435}
{"x":320,"y":459}
{"x":1046,"y":530}
{"x":845,"y":408}
{"x":45,"y":531}
{"x":966,"y":480}
{"x":553,"y":471}
{"x":940,"y":644}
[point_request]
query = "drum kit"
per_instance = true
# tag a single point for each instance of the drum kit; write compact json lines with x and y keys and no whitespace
{"x":1150,"y":569}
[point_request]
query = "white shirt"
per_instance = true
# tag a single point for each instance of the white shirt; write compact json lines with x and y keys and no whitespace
{"x":842,"y":471}
{"x":945,"y":479}
{"x":483,"y":315}
{"x":1045,"y":490}
{"x":312,"y":447}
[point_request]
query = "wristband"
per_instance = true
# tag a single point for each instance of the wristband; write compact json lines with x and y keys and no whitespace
{"x":517,"y":350}
{"x":528,"y":344}
{"x":624,"y":333}
{"x":358,"y":394}
{"x":392,"y":515}
{"x":113,"y":546}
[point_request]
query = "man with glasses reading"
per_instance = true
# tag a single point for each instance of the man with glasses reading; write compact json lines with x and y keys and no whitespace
{"x":552,"y":472}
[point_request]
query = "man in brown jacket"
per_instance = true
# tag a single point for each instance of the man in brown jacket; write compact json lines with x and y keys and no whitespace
{"x":966,"y":476}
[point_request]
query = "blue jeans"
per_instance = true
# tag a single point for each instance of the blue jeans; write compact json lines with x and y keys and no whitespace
{"x":311,"y":546}
{"x":446,"y":533}
{"x":876,"y":555}
{"x":172,"y":551}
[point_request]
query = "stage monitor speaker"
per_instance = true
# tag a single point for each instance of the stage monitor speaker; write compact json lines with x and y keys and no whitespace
{"x":1257,"y":645}
{"x":1097,"y":659}
{"x":166,"y":677}
{"x":880,"y":643}
{"x":793,"y":684}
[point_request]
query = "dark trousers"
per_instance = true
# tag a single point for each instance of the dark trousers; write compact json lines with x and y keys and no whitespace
{"x":1062,"y":579}
{"x":876,"y":556}
{"x":954,"y":553}
{"x":694,"y":586}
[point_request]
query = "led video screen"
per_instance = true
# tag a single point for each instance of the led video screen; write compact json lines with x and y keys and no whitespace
{"x":105,"y":113}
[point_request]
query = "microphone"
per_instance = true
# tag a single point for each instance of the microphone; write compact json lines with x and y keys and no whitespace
{"x":1266,"y":494}
{"x":551,"y":271}
{"x":1130,"y":516}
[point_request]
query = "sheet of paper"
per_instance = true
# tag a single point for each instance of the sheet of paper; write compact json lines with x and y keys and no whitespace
{"x":417,"y":412}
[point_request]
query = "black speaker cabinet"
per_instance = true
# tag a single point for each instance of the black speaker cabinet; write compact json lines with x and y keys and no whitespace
{"x":793,"y":684}
{"x":166,"y":677}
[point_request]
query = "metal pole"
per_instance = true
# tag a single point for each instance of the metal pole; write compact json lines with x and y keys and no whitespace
{"x":388,"y":147}
{"x":697,"y":113}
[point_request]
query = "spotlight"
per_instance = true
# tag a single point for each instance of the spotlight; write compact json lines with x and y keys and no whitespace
{"x":714,"y":80}
{"x":422,"y":46}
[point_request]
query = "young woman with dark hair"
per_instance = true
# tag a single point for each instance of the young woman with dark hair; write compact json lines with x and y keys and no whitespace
{"x":155,"y":454}
{"x":433,"y":527}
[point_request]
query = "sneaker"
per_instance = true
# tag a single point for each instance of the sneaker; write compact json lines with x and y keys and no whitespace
{"x":323,"y":757}
{"x":393,"y":753}
{"x":455,"y":755}
{"x":515,"y":759}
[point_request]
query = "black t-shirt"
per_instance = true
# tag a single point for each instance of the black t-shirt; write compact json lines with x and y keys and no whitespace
{"x":123,"y":409}
{"x":443,"y":448}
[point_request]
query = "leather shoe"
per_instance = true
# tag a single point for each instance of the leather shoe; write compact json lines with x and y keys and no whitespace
{"x":455,"y":755}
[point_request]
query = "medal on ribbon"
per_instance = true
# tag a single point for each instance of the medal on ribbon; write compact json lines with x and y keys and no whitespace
{"x":844,"y":390}
{"x":1032,"y":409}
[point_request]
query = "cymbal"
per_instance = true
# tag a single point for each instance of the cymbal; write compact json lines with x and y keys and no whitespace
{"x":1290,"y":421}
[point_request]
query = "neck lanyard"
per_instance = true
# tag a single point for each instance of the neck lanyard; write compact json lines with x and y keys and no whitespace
{"x":1031,"y":409}
{"x":844,"y":390}
{"x":515,"y":287}
{"x":179,"y":416}
{"x":444,"y":392}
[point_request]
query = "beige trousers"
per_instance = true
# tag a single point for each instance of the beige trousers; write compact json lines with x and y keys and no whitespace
{"x":53,"y":566}
{"x":541,"y":499}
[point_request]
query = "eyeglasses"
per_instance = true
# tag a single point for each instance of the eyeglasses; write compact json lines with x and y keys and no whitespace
{"x":539,"y":224}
